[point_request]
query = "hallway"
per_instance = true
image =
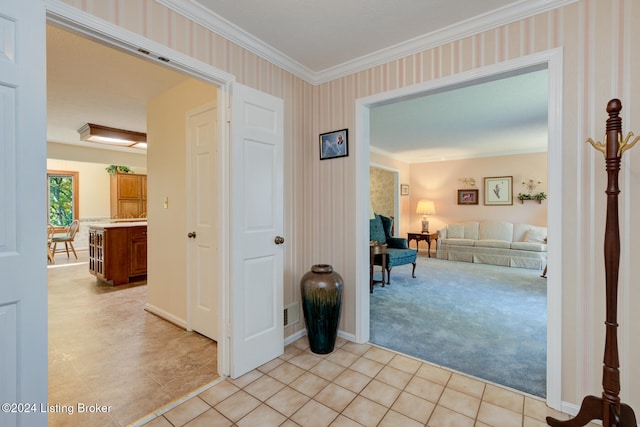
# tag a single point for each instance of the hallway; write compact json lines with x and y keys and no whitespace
{"x":105,"y":349}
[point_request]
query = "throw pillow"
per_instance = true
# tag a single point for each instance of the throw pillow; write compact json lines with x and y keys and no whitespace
{"x":536,"y":235}
{"x":455,"y":231}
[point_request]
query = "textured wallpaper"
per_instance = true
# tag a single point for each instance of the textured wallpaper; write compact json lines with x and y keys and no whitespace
{"x":381,"y":191}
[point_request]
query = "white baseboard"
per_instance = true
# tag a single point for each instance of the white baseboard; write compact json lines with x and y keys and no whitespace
{"x":569,"y":408}
{"x":347,"y":336}
{"x":297,"y":335}
{"x":166,"y":315}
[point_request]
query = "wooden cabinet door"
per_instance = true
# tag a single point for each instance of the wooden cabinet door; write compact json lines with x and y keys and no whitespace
{"x":128,"y":195}
{"x":138,"y":251}
{"x":129,"y":208}
{"x":129,"y":186}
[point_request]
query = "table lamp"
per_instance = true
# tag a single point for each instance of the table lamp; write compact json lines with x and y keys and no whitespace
{"x":425,"y":207}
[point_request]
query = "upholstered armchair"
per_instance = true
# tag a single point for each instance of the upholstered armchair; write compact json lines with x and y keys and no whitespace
{"x":398,"y":252}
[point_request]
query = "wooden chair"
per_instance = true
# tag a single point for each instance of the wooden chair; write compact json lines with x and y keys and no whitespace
{"x":50,"y":232}
{"x":67,"y":238}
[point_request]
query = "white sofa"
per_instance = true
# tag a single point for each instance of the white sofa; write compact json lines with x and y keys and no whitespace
{"x":494,"y":242}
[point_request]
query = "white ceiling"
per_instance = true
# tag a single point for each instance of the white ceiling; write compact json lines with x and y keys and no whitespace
{"x":88,"y":82}
{"x":323,"y":34}
{"x":319,"y":40}
{"x":507,"y":115}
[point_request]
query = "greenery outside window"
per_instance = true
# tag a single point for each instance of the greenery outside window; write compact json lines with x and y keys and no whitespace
{"x":62,"y":200}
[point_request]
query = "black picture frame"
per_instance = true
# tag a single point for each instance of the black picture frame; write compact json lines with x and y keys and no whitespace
{"x":334,"y":144}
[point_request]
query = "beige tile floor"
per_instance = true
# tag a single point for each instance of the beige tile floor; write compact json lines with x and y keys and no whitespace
{"x":355,"y":385}
{"x":105,"y":348}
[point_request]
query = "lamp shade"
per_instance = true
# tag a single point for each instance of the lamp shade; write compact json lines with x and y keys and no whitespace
{"x":426,"y":207}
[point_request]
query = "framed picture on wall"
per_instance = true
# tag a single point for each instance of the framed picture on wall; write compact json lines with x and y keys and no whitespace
{"x":498,"y":190}
{"x":334,"y":144}
{"x":468,"y":197}
{"x":404,"y":189}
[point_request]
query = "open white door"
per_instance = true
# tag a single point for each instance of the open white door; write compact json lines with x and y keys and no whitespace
{"x":23,"y":258}
{"x":257,"y":224}
{"x":203,"y":223}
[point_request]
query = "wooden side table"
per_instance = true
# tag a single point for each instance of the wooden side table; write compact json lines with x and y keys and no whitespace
{"x":427,"y":237}
{"x":376,"y":248}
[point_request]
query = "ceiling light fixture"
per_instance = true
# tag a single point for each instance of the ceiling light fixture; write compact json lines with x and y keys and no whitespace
{"x":112,"y":136}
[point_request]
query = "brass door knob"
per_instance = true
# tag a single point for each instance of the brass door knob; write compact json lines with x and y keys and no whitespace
{"x":279,"y":240}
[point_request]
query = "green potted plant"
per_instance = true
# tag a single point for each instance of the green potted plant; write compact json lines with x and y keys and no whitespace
{"x":113,"y":169}
{"x":526,"y":196}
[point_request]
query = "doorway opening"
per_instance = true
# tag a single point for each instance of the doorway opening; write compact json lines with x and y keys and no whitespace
{"x":553,"y":61}
{"x":137,"y":332}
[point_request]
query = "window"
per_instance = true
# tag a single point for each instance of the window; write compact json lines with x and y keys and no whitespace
{"x":62,"y":200}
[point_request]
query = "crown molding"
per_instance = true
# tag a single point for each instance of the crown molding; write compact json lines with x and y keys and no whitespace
{"x":490,"y":20}
{"x":197,"y":13}
{"x":496,"y":18}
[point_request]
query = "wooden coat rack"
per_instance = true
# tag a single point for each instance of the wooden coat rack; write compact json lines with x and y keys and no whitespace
{"x":608,"y":408}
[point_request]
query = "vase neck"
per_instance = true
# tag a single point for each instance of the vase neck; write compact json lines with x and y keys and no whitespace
{"x":322,"y":268}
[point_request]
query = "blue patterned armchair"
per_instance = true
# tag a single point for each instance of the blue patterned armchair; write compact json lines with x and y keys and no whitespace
{"x":398,"y":252}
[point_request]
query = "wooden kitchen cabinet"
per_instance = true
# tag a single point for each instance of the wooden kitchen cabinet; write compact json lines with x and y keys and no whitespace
{"x":128,"y":195}
{"x":118,"y":251}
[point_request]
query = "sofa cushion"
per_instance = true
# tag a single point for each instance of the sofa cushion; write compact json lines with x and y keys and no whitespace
{"x":489,"y":243}
{"x":458,"y":242}
{"x":529,"y":246}
{"x":471,"y":230}
{"x":397,"y":242}
{"x":520,"y":230}
{"x":455,"y":231}
{"x":536,"y":235}
{"x":495,"y":230}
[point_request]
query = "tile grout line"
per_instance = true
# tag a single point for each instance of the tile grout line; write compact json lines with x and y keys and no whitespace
{"x":169,"y":406}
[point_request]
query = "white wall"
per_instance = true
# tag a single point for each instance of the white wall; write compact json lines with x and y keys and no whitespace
{"x":167,"y":177}
{"x":439,"y":181}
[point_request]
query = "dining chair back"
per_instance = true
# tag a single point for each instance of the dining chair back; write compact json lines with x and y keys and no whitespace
{"x":67,"y":238}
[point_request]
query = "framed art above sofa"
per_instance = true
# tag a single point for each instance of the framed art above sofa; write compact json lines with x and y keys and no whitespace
{"x":498,"y":190}
{"x":468,"y":197}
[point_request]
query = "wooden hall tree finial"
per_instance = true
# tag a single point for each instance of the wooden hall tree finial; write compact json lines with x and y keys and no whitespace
{"x":608,"y":407}
{"x":615,"y":123}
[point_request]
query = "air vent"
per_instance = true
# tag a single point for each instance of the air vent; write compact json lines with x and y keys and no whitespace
{"x":291,"y":314}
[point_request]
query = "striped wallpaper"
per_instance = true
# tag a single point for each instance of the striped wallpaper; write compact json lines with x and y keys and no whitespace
{"x":597,"y":38}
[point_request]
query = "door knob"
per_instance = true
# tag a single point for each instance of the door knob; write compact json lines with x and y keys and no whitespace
{"x":192,"y":235}
{"x":279,"y":240}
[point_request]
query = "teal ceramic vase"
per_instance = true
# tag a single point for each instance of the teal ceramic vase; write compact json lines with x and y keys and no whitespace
{"x":321,"y":290}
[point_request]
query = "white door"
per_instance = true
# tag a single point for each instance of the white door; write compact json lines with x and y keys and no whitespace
{"x":23,"y":257}
{"x":203,"y":257}
{"x":257,"y":223}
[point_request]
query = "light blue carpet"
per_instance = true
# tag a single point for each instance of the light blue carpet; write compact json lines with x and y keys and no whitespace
{"x":487,"y":321}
